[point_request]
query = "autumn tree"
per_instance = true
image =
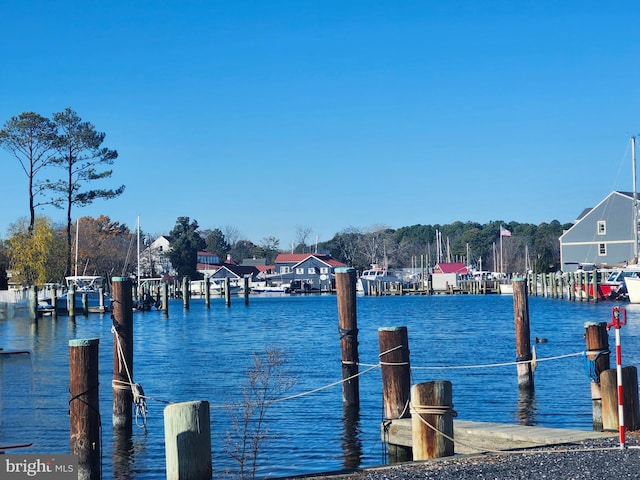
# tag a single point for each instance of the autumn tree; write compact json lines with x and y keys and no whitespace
{"x":104,"y":247}
{"x":35,"y":256}
{"x":185,"y":243}
{"x":81,"y":156}
{"x":30,"y":138}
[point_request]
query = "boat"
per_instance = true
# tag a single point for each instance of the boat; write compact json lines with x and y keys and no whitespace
{"x":615,"y":287}
{"x":269,"y":289}
{"x":633,"y":289}
{"x":506,"y":288}
{"x":374,"y":276}
{"x":92,"y":286}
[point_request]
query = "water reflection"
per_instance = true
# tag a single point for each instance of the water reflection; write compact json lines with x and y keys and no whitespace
{"x":351,"y":439}
{"x":527,"y":408}
{"x":122,"y":454}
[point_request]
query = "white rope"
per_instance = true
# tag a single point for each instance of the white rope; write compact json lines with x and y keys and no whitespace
{"x":487,"y":365}
{"x":136,"y":389}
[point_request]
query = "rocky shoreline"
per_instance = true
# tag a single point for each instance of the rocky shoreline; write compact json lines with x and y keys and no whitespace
{"x":588,"y":460}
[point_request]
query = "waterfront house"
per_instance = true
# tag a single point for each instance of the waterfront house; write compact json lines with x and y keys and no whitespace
{"x":307,"y":271}
{"x":602,"y":235}
{"x":446,"y":275}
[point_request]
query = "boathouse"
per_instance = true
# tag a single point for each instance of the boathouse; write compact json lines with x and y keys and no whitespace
{"x":311,"y":271}
{"x":603,"y":235}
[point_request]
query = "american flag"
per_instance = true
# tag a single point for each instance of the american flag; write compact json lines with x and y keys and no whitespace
{"x":504,"y":232}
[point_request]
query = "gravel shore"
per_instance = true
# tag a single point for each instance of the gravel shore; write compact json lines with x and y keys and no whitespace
{"x":590,"y":460}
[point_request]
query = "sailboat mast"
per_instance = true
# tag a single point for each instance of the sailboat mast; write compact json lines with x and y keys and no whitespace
{"x":635,"y":199}
{"x":77,"y":230}
{"x":138,"y":229}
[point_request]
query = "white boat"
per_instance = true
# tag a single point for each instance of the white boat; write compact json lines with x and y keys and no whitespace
{"x":269,"y":289}
{"x":506,"y":288}
{"x":633,"y":288}
{"x":92,"y":286}
{"x":375,"y":275}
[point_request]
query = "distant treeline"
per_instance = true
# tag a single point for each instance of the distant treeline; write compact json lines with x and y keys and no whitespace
{"x":471,"y":243}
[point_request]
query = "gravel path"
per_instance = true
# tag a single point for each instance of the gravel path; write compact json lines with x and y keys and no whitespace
{"x":591,"y":460}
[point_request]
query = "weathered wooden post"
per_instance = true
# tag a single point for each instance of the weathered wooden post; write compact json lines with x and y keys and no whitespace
{"x":579,"y":290}
{"x":610,"y":405}
{"x":187,"y":434}
{"x":165,"y":299}
{"x":348,"y":328}
{"x":396,"y":380}
{"x":227,"y":291}
{"x":122,"y":353}
{"x":33,"y":303}
{"x":54,"y":302}
{"x":101,"y":300}
{"x":85,"y":303}
{"x":71,"y":300}
{"x":84,"y":411}
{"x":523,"y":335}
{"x":432,"y":420}
{"x":185,"y":292}
{"x":598,"y":356}
{"x":246,"y":290}
{"x":207,"y":292}
{"x":595,"y":286}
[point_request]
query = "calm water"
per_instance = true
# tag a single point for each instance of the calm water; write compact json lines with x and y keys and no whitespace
{"x":202,"y":354}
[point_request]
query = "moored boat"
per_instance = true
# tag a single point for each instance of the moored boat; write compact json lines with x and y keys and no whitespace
{"x":375,"y":275}
{"x":633,"y":289}
{"x":92,"y":287}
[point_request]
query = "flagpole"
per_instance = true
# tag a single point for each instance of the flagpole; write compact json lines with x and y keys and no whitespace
{"x":501,"y":256}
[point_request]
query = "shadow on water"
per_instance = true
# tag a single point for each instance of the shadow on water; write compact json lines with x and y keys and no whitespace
{"x":351,"y":441}
{"x":527,"y":408}
{"x":122,"y":454}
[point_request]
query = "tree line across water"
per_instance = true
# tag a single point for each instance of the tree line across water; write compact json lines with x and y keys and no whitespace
{"x":64,"y":160}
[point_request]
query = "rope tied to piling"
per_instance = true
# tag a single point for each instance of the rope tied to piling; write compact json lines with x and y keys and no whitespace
{"x":393,"y":364}
{"x":590,"y":363}
{"x":432,"y":410}
{"x":79,"y":396}
{"x":347,"y":332}
{"x":136,"y":389}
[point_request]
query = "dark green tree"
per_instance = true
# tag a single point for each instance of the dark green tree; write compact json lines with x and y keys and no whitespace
{"x":80,"y":155}
{"x":30,"y":138}
{"x":185,"y":244}
{"x":268,"y":249}
{"x":217,"y":243}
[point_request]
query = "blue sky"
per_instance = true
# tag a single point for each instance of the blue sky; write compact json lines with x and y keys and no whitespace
{"x":272,"y":115}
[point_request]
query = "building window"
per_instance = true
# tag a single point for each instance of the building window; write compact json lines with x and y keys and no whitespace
{"x":284,"y":269}
{"x":324,"y":270}
{"x":602,"y":227}
{"x":311,"y":271}
{"x":602,"y":249}
{"x":300,"y":271}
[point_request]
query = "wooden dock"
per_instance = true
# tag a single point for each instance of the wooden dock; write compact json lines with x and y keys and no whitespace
{"x":478,"y":437}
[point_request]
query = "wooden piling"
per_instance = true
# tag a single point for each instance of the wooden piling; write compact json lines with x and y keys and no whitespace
{"x":187,"y":433}
{"x":432,"y":420}
{"x":227,"y":291}
{"x":54,"y":302}
{"x":207,"y":292}
{"x":598,"y":355}
{"x":84,"y":411}
{"x":246,"y":290}
{"x":609,"y":389}
{"x":122,"y":352}
{"x":85,"y":304}
{"x":523,"y":335}
{"x":71,"y":300}
{"x":185,"y":292}
{"x":348,"y":328}
{"x":396,"y":371}
{"x":33,"y":303}
{"x":101,"y":300}
{"x":595,"y":286}
{"x":165,"y":299}
{"x":396,"y":381}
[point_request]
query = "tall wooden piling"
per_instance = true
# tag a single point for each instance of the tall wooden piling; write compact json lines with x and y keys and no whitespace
{"x":101,"y":300}
{"x":165,"y":299}
{"x":227,"y":291}
{"x":348,"y":328}
{"x":187,"y":434}
{"x":207,"y":292}
{"x":396,"y":381}
{"x":523,"y":335}
{"x":432,"y":420}
{"x":598,"y":355}
{"x":610,"y":405}
{"x":246,"y":290}
{"x":71,"y":300}
{"x":33,"y":303}
{"x":84,"y":411}
{"x":122,"y":352}
{"x":396,"y":371}
{"x":185,"y":292}
{"x":54,"y":302}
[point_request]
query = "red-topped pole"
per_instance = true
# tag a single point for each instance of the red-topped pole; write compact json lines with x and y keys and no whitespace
{"x":618,"y":319}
